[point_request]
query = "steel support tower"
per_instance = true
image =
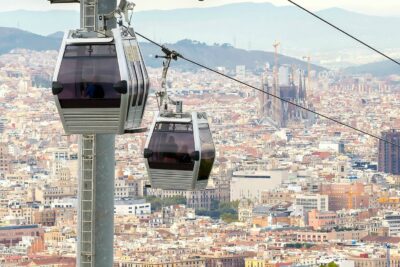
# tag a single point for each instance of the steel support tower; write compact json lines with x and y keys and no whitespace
{"x":96,"y":162}
{"x":96,"y":172}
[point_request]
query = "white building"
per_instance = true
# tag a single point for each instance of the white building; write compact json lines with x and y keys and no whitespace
{"x":331,"y":146}
{"x":250,"y":184}
{"x":134,"y":207}
{"x":392,"y":221}
{"x":65,"y":203}
{"x":241,"y":70}
{"x":312,"y":202}
{"x":58,"y":158}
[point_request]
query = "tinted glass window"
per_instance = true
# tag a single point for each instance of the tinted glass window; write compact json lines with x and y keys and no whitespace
{"x":172,"y":145}
{"x":207,"y":152}
{"x":88,"y":73}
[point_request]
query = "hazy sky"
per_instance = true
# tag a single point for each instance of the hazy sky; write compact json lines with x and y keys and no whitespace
{"x":374,"y":7}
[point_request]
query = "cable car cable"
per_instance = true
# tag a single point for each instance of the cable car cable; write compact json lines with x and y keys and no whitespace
{"x":344,"y":32}
{"x":267,"y":93}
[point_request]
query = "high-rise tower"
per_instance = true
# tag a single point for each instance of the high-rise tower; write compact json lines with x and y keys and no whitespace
{"x":389,"y":153}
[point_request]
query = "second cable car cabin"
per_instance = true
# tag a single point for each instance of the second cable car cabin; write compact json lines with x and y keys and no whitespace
{"x":179,"y":152}
{"x":100,"y":83}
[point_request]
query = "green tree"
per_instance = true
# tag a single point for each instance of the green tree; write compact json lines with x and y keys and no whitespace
{"x":331,"y":264}
{"x":157,"y":203}
{"x":229,"y":218}
{"x":176,"y":200}
{"x":214,"y":204}
{"x":215,"y":214}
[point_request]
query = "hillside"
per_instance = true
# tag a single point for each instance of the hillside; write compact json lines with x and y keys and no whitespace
{"x":11,"y":38}
{"x":214,"y":56}
{"x":218,"y":55}
{"x":382,"y":68}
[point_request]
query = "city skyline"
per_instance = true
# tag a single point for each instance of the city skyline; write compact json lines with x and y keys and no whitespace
{"x":308,"y":183}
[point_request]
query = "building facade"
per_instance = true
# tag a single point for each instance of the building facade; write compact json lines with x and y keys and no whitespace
{"x":132,"y":207}
{"x":345,"y":195}
{"x":322,"y":219}
{"x":4,"y":160}
{"x":312,"y":202}
{"x":392,"y":221}
{"x":389,"y":153}
{"x":250,"y":184}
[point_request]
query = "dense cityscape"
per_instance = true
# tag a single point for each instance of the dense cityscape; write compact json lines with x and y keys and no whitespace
{"x":288,"y":188}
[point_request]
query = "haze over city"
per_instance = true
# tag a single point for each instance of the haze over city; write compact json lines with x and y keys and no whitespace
{"x":384,"y":8}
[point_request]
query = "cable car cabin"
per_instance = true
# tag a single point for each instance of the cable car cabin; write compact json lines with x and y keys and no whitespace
{"x":180,"y":152}
{"x":100,"y":84}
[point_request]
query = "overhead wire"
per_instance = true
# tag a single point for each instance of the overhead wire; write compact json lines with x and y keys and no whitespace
{"x":344,"y":32}
{"x":264,"y":92}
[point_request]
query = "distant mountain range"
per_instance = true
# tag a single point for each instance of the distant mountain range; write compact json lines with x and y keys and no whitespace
{"x":382,"y":68}
{"x":11,"y":38}
{"x":219,"y":56}
{"x":211,"y":55}
{"x":40,"y":22}
{"x":245,"y":25}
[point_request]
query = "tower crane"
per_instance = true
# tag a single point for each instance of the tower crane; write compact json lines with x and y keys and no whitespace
{"x":308,"y":58}
{"x":276,"y":45}
{"x":276,"y":102}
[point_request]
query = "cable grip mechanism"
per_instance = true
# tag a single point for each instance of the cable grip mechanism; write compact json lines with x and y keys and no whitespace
{"x":169,"y":55}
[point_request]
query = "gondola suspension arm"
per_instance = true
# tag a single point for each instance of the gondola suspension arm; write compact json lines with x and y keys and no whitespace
{"x":165,"y":100}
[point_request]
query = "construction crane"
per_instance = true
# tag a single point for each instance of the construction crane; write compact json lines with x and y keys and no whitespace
{"x":276,"y":45}
{"x":276,"y":103}
{"x":308,"y":58}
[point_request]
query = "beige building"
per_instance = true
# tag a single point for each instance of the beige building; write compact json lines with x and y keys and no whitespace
{"x":326,"y":236}
{"x":273,"y":197}
{"x":4,"y":159}
{"x":225,"y":261}
{"x":128,"y":187}
{"x":47,"y":195}
{"x":182,"y":263}
{"x":245,"y":211}
{"x":375,"y":262}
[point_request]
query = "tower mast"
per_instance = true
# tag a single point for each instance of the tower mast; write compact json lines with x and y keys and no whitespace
{"x":96,"y":163}
{"x":97,"y":168}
